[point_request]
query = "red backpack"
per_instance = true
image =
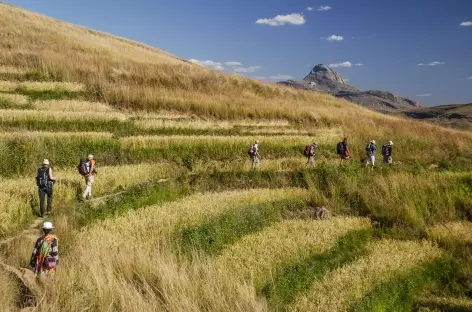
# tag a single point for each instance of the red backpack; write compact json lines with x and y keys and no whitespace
{"x":307,"y":151}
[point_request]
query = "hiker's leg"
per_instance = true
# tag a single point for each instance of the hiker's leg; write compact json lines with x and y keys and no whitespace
{"x":91,"y":182}
{"x":373,"y":160}
{"x":88,"y":188}
{"x":49,"y":206}
{"x":41,"y":201}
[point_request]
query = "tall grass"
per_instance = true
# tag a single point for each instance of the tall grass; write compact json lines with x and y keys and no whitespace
{"x":8,"y":292}
{"x":340,"y":287}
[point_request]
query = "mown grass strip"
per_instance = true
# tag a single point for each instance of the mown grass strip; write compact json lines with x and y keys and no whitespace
{"x":400,"y":293}
{"x":213,"y":235}
{"x":296,"y":278}
{"x":54,"y":94}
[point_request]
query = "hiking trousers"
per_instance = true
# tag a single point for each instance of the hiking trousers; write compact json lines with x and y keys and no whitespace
{"x":255,"y":161}
{"x":88,"y":189}
{"x":311,"y":161}
{"x":42,"y":194}
{"x":370,"y":160}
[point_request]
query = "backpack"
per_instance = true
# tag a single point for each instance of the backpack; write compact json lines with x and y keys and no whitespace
{"x":251,"y":151}
{"x":384,"y":150}
{"x":83,"y":167}
{"x":44,"y":259}
{"x":307,"y":151}
{"x":42,"y":178}
{"x":367,"y":149}
{"x":340,"y":148}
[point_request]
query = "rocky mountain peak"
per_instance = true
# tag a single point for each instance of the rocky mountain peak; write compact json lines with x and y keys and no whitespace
{"x":323,"y":72}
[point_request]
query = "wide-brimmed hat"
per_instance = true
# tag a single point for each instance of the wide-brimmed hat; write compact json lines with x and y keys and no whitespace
{"x":373,"y":141}
{"x":390,"y":143}
{"x":45,"y":162}
{"x":90,"y":156}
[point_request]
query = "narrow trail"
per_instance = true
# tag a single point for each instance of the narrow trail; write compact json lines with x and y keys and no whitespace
{"x":29,"y":289}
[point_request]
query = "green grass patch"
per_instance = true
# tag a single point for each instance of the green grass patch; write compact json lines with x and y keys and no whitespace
{"x":55,"y":94}
{"x":214,"y":235}
{"x":400,"y":293}
{"x":297,"y":278}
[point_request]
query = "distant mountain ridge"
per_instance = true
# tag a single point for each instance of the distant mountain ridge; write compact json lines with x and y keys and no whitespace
{"x":323,"y":79}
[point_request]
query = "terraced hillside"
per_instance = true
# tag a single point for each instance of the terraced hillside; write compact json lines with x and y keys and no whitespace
{"x":179,"y":221}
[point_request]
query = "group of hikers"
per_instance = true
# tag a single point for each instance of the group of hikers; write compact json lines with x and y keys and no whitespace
{"x":342,"y":149}
{"x":45,"y":254}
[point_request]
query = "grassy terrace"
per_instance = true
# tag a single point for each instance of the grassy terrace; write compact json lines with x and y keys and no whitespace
{"x":184,"y":224}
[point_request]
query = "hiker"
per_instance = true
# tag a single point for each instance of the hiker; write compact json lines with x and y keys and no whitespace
{"x":343,"y":150}
{"x":387,"y":153}
{"x":86,"y":168}
{"x":254,"y":154}
{"x":45,"y":258}
{"x":370,"y":151}
{"x":310,"y":153}
{"x":45,"y":181}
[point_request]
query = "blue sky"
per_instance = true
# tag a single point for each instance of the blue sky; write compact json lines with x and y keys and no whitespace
{"x":389,"y":38}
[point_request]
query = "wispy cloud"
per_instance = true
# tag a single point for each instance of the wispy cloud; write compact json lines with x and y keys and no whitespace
{"x":424,"y":95}
{"x":470,"y":78}
{"x":324,"y":8}
{"x":249,"y":69}
{"x":335,"y":38}
{"x":280,"y":77}
{"x":343,"y":64}
{"x":432,"y":64}
{"x":208,"y":63}
{"x":466,"y":24}
{"x":231,"y":63}
{"x":280,"y":20}
{"x":358,"y":64}
{"x":309,"y":9}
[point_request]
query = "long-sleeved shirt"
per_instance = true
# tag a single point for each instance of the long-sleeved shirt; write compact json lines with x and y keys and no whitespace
{"x":38,"y":254}
{"x":371,"y":150}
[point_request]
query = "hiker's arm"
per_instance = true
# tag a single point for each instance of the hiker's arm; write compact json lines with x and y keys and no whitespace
{"x":55,"y":251}
{"x":51,"y":177}
{"x":92,"y":166}
{"x":34,"y":254}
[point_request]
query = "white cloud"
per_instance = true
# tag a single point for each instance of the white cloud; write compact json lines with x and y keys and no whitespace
{"x":335,"y":38}
{"x":324,"y":8}
{"x":432,"y":64}
{"x":280,"y":77}
{"x":343,"y":64}
{"x":424,"y":95}
{"x":359,"y":64}
{"x":309,"y":9}
{"x":231,"y":63}
{"x":470,"y":78}
{"x":466,"y":24}
{"x":249,"y":69}
{"x":208,"y":63}
{"x":279,"y":20}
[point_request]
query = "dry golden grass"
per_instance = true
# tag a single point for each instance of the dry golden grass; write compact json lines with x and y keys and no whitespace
{"x":50,"y":85}
{"x":14,"y":99}
{"x":259,"y":255}
{"x":459,"y":231}
{"x":35,"y":135}
{"x":8,"y":292}
{"x":28,"y":115}
{"x":7,"y":86}
{"x":71,"y":106}
{"x":161,"y":141}
{"x":131,"y":256}
{"x":386,"y":258}
{"x":12,"y":70}
{"x":211,"y":124}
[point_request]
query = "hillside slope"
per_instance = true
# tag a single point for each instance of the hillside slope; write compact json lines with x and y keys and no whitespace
{"x":458,"y":116}
{"x":178,"y":220}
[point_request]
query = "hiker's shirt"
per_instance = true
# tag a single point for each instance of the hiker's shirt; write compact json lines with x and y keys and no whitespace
{"x":388,"y":150}
{"x":255,"y":148}
{"x":91,"y":167}
{"x":372,"y":149}
{"x":45,"y":256}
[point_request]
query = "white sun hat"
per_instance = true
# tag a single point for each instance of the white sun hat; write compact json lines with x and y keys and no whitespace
{"x":391,"y":143}
{"x":373,"y":141}
{"x":90,"y":156}
{"x":45,"y":162}
{"x":47,"y":226}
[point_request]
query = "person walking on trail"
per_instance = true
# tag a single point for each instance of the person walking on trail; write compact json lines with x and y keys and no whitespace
{"x":45,"y":257}
{"x":254,"y":154}
{"x":310,"y":154}
{"x":87,"y":169}
{"x":45,"y":181}
{"x":343,"y":150}
{"x":387,"y":153}
{"x":370,"y":151}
